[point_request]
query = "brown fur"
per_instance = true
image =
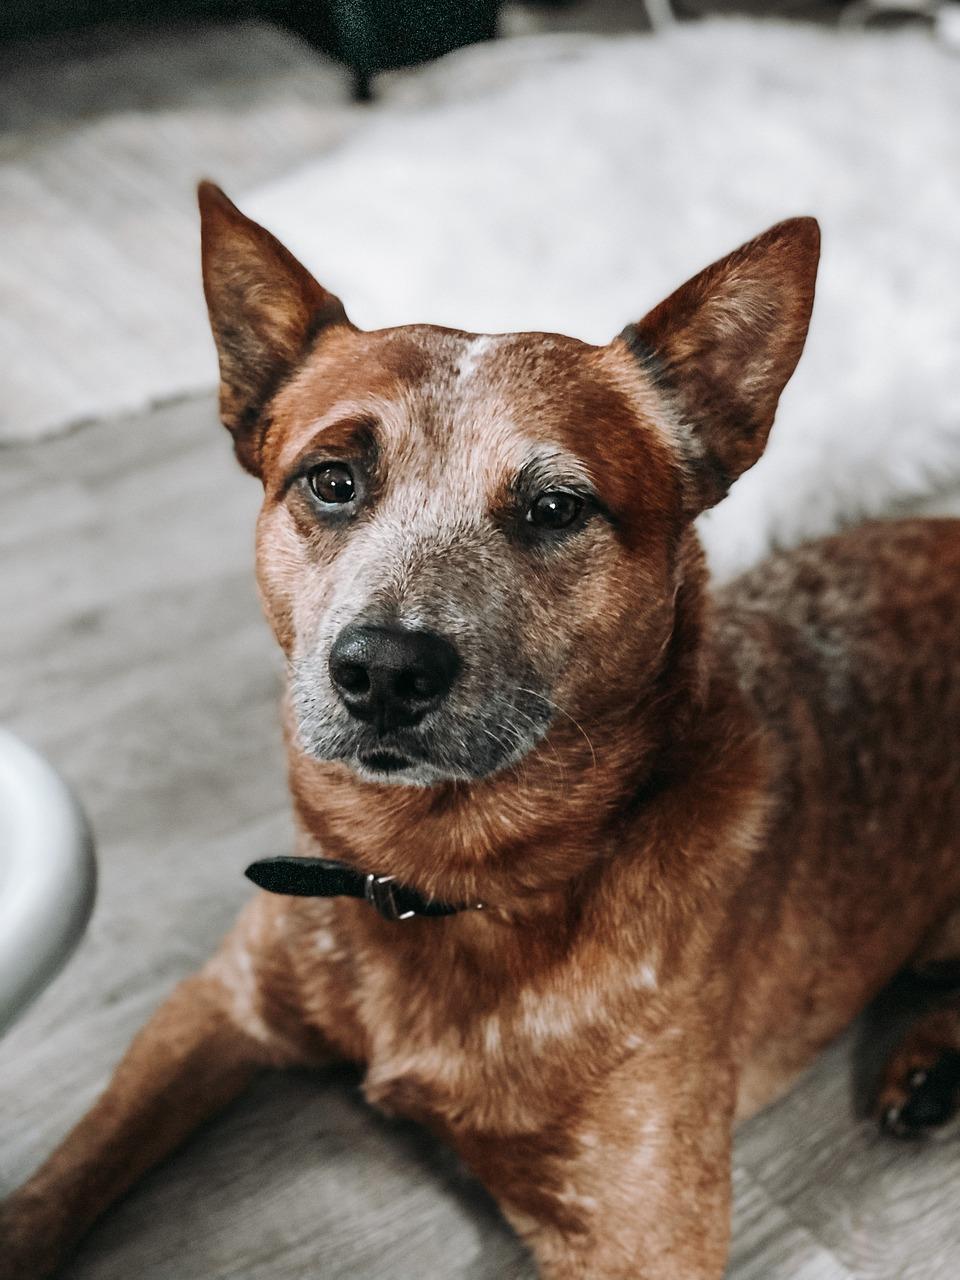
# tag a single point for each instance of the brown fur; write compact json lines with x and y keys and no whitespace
{"x":717,"y":827}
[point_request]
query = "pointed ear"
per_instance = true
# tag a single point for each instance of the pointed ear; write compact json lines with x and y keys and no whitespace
{"x":265,"y":310}
{"x":723,"y":347}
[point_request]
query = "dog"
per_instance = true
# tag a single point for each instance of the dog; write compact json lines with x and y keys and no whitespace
{"x":591,"y":860}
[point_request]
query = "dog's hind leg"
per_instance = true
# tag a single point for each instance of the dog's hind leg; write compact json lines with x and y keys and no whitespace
{"x":192,"y":1058}
{"x":920,"y":1088}
{"x":919,"y":1091}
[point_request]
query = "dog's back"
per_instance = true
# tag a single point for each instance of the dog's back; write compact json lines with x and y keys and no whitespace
{"x":849,"y":650}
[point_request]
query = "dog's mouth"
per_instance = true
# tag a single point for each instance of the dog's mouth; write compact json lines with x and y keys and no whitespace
{"x":385,"y":761}
{"x":400,"y":766}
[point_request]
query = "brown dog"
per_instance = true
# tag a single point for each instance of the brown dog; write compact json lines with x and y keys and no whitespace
{"x":703,"y":831}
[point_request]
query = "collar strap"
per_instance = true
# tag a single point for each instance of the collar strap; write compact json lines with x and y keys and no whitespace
{"x":326,"y":878}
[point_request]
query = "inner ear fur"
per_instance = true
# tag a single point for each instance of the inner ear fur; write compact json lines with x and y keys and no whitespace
{"x":265,"y":311}
{"x":723,"y":347}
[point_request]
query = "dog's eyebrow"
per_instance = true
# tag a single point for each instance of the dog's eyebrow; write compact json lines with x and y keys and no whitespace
{"x":554,"y":467}
{"x":342,"y":417}
{"x":334,"y":436}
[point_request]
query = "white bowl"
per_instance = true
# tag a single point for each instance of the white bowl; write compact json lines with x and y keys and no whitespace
{"x":47,"y":875}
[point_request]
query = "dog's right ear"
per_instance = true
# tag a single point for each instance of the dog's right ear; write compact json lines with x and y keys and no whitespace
{"x":265,"y":310}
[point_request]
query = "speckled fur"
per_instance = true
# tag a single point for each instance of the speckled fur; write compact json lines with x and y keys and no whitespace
{"x":742,"y":822}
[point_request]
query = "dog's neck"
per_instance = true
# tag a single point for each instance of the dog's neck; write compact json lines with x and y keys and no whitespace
{"x":518,"y":840}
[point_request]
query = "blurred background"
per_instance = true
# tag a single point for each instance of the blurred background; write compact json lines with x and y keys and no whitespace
{"x":490,"y":166}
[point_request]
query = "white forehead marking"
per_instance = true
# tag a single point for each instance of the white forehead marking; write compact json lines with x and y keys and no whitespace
{"x":645,"y":977}
{"x":473,"y":354}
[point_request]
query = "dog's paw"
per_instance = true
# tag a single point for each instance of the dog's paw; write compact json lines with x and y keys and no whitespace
{"x":920,"y":1094}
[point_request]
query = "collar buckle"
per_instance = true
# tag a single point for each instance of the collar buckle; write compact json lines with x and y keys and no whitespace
{"x":379,"y":892}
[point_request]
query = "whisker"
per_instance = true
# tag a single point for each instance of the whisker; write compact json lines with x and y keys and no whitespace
{"x":518,"y":765}
{"x":557,"y":761}
{"x":556,"y":706}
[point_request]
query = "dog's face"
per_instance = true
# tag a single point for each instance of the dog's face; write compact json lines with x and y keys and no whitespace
{"x":463,"y":537}
{"x":466,"y":537}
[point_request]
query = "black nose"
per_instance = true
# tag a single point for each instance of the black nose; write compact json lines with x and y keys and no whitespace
{"x":390,"y":676}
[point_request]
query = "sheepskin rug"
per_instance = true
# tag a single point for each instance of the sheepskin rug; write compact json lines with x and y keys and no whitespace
{"x":567,"y":183}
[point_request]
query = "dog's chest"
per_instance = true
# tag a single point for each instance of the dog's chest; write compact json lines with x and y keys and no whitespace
{"x":434,"y":1056}
{"x":443,"y":1045}
{"x":451,"y":1078}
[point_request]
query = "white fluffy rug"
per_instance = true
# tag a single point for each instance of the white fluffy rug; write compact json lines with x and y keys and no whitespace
{"x":568,"y":183}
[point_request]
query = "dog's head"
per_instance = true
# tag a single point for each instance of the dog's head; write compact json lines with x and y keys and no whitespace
{"x":465,"y":539}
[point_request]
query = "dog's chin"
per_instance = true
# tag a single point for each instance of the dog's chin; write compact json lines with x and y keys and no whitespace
{"x":393,"y":768}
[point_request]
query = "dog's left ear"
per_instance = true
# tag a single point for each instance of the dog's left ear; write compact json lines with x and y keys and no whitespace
{"x":723,"y":347}
{"x":265,"y":310}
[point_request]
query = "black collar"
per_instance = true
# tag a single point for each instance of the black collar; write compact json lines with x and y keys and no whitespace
{"x":326,"y":878}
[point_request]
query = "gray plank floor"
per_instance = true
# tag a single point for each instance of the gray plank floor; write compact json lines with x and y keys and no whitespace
{"x":132,"y":652}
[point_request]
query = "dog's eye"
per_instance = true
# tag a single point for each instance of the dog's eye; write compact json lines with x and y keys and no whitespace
{"x":332,"y":482}
{"x":555,"y":509}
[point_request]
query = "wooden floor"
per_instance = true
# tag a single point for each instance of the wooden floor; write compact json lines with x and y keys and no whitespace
{"x":132,"y":652}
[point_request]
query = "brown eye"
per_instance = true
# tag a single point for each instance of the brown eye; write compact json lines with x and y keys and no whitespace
{"x":555,"y":509}
{"x":332,"y":483}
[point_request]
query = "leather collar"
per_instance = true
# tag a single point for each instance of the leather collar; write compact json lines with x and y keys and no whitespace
{"x":327,"y":878}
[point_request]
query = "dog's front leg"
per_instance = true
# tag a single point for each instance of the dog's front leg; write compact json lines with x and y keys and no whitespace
{"x":639,"y":1188}
{"x":195,"y":1055}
